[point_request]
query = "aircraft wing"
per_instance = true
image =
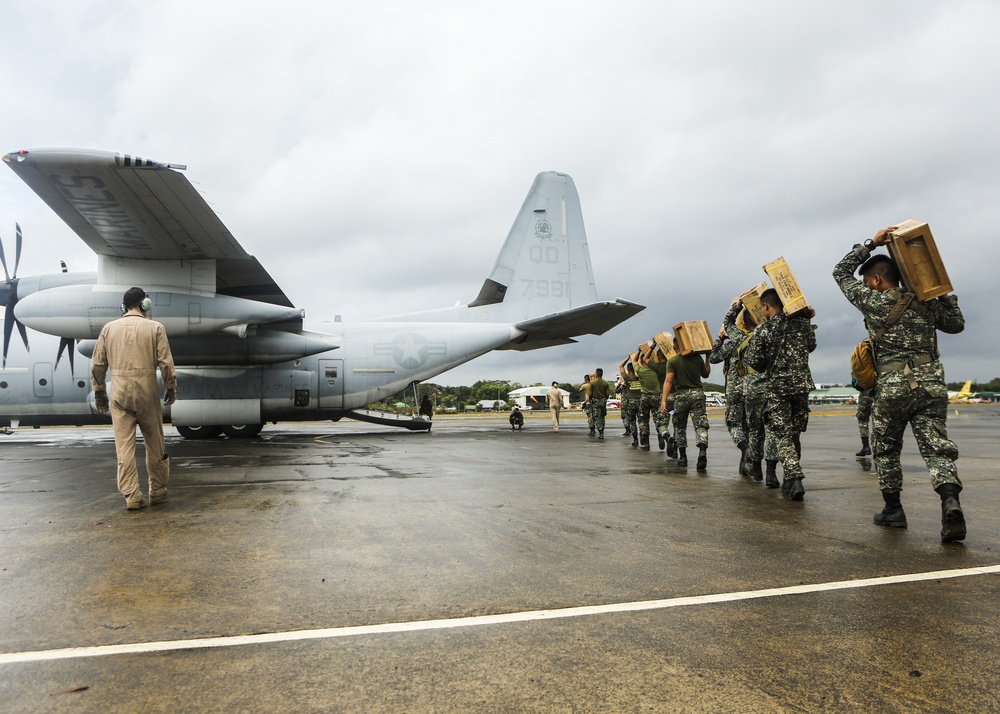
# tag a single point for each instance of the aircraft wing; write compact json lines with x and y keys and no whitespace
{"x":560,"y":328}
{"x":129,"y":207}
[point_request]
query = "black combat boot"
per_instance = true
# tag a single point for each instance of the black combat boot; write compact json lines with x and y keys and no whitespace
{"x":592,"y":431}
{"x":671,"y":447}
{"x":682,"y":456}
{"x":866,"y":447}
{"x":660,"y":442}
{"x":892,"y":515}
{"x":702,"y":462}
{"x":635,"y":440}
{"x":753,"y":470}
{"x":644,"y":442}
{"x":771,"y":477}
{"x":742,"y":446}
{"x":600,"y":433}
{"x":952,"y":518}
{"x":796,"y":492}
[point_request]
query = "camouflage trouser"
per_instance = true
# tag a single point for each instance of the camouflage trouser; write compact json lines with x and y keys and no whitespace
{"x":927,"y":417}
{"x":589,"y":411}
{"x":599,"y":408}
{"x":649,"y":404}
{"x":865,"y":403}
{"x":760,"y":439}
{"x":663,"y":421}
{"x":736,"y":415}
{"x":630,"y":413}
{"x":787,"y":417}
{"x":690,"y":401}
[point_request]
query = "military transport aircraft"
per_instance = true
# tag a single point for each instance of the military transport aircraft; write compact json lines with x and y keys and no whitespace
{"x":242,"y":355}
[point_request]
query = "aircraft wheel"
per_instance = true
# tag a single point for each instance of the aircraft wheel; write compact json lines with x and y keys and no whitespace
{"x":242,"y":431}
{"x":199,"y":432}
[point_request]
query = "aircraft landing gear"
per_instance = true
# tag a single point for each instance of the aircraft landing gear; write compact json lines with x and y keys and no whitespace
{"x":233,"y":431}
{"x":242,"y":431}
{"x":199,"y":432}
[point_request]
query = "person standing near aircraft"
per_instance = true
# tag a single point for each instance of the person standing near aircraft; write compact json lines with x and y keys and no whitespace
{"x":684,"y":375}
{"x":910,"y":387}
{"x":600,"y":392}
{"x":132,"y":347}
{"x":554,"y":398}
{"x":780,"y":349}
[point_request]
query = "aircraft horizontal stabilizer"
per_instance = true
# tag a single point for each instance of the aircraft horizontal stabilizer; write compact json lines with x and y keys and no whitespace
{"x":560,"y":328}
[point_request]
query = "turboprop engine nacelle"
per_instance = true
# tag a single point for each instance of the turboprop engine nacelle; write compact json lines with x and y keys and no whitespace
{"x":80,"y":311}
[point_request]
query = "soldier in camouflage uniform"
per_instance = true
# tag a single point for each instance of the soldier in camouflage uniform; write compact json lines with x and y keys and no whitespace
{"x":864,"y":414}
{"x":725,"y":351}
{"x":600,"y":391}
{"x":780,"y":349}
{"x":684,"y":375}
{"x":660,"y":420}
{"x":760,"y":443}
{"x":630,"y":402}
{"x":649,"y":399}
{"x":910,"y":388}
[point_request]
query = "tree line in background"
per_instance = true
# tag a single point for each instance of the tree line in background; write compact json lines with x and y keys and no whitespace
{"x":992,"y":386}
{"x":493,"y":390}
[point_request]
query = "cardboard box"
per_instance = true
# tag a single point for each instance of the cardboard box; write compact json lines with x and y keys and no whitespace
{"x":920,"y":265}
{"x":665,"y":341}
{"x":787,"y":286}
{"x":751,"y":302}
{"x":693,"y":337}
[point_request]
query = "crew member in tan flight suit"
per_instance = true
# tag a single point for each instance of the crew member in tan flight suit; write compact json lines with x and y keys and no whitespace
{"x":133,"y":347}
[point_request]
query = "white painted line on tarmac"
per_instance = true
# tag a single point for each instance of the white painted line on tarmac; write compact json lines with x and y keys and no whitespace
{"x":506,"y":618}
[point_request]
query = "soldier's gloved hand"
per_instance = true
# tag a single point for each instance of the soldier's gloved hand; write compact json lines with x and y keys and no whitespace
{"x":170,"y":397}
{"x":101,"y":402}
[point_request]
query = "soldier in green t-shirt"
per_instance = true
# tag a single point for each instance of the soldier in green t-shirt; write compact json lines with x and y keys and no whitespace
{"x":600,"y":391}
{"x":684,"y":375}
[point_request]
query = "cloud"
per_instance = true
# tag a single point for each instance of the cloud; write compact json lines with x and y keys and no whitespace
{"x":373,"y":155}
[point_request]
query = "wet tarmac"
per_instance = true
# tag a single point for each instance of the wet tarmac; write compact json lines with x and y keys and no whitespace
{"x":354,"y":568}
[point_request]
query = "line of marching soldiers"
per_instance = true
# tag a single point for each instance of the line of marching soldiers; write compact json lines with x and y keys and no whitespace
{"x":767,"y":373}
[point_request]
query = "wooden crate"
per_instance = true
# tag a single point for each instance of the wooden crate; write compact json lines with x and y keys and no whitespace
{"x":913,"y":248}
{"x":693,"y":337}
{"x":751,"y":302}
{"x":665,"y":341}
{"x":787,"y":286}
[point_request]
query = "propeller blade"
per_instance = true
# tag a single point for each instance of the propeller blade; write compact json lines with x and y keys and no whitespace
{"x":8,"y":328}
{"x":67,"y":345}
{"x":3,"y":259}
{"x":17,"y":248}
{"x":24,"y":332}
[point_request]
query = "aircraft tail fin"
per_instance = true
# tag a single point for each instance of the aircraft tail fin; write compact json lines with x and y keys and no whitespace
{"x":544,"y":266}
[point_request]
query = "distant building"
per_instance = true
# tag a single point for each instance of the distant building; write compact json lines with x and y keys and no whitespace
{"x":535,"y":397}
{"x":832,"y":395}
{"x":488,"y":404}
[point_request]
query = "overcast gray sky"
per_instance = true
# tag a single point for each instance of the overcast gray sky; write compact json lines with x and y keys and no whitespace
{"x":373,"y":155}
